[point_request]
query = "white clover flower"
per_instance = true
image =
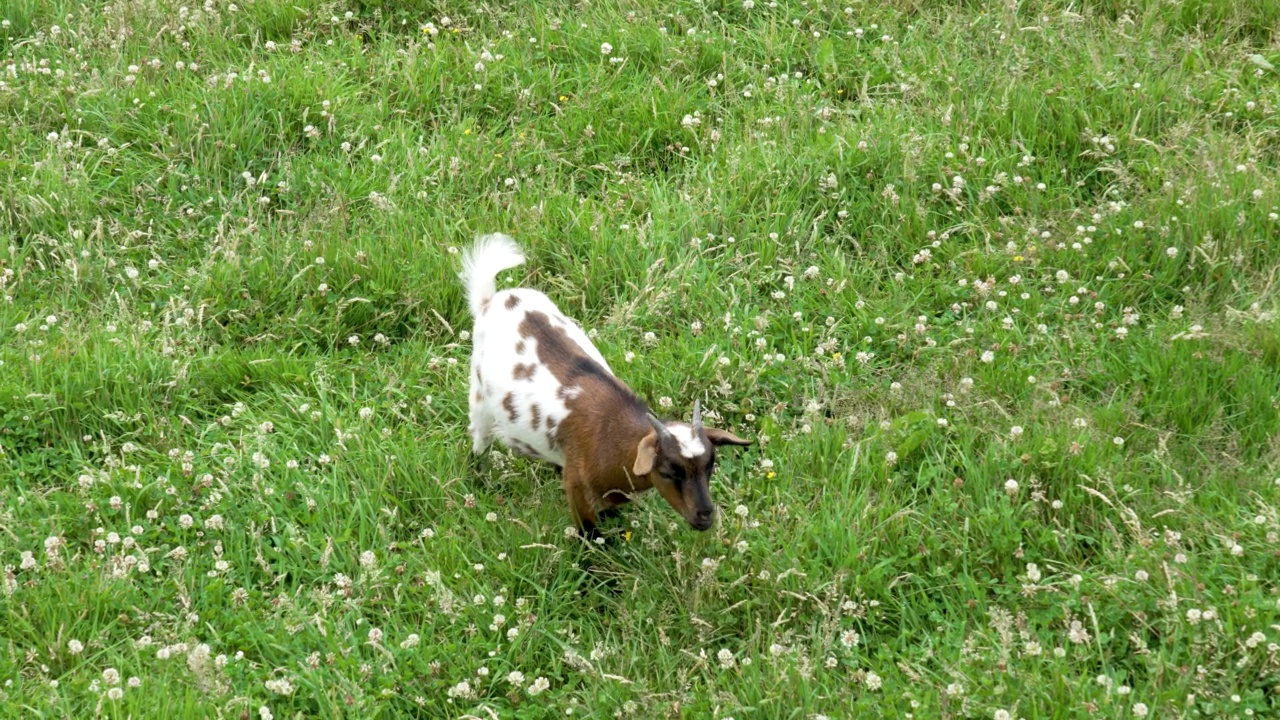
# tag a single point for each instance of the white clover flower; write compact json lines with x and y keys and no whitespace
{"x":461,"y":690}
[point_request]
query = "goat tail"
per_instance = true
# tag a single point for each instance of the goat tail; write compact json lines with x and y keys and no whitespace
{"x":481,"y":263}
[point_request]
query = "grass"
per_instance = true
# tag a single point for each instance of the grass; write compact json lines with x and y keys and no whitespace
{"x":1029,"y":473}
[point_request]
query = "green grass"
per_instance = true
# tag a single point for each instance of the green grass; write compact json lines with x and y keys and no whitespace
{"x":249,"y":459}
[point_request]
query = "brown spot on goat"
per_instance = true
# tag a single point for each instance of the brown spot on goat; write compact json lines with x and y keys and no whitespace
{"x":512,"y":301}
{"x":535,"y":414}
{"x":553,"y":437}
{"x":509,"y":404}
{"x":520,"y":348}
{"x":524,"y":371}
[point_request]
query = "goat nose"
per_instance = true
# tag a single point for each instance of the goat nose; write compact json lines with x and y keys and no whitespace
{"x":706,"y":514}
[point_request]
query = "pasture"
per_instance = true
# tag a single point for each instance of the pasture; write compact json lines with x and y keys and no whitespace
{"x":993,"y":286}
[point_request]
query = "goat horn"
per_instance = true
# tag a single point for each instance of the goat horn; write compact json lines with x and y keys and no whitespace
{"x":663,"y":432}
{"x":697,"y":415}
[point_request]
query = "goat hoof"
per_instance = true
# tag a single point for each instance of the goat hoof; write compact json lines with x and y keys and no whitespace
{"x":480,"y":463}
{"x":590,"y":534}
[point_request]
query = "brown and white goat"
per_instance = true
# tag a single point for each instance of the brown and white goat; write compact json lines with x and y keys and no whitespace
{"x":539,"y":384}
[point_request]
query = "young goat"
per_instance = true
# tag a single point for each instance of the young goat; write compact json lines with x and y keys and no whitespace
{"x":539,"y":384}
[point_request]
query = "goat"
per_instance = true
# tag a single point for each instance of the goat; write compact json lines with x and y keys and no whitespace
{"x":539,"y":384}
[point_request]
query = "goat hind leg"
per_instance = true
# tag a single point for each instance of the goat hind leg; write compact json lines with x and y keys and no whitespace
{"x":481,"y":427}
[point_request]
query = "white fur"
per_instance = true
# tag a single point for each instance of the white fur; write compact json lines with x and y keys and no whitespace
{"x":481,"y":263}
{"x":690,"y":445}
{"x":494,"y":358}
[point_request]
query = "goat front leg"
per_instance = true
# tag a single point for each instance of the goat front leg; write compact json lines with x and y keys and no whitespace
{"x":581,"y":502}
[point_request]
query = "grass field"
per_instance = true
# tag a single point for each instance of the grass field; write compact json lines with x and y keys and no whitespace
{"x":994,"y":286}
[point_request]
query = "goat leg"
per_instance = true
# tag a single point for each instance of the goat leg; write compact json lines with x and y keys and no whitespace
{"x":584,"y":511}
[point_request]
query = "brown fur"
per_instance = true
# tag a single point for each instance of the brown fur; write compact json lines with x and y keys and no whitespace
{"x":524,"y":371}
{"x":509,"y":404}
{"x":607,"y":431}
{"x":512,"y":301}
{"x":553,"y":439}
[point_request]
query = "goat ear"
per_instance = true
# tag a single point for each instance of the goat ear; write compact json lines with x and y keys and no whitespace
{"x":723,"y":437}
{"x":646,"y":455}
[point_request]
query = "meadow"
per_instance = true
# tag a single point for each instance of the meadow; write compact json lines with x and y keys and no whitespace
{"x":992,"y":285}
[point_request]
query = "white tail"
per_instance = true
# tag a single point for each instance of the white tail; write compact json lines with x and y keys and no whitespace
{"x":481,"y":263}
